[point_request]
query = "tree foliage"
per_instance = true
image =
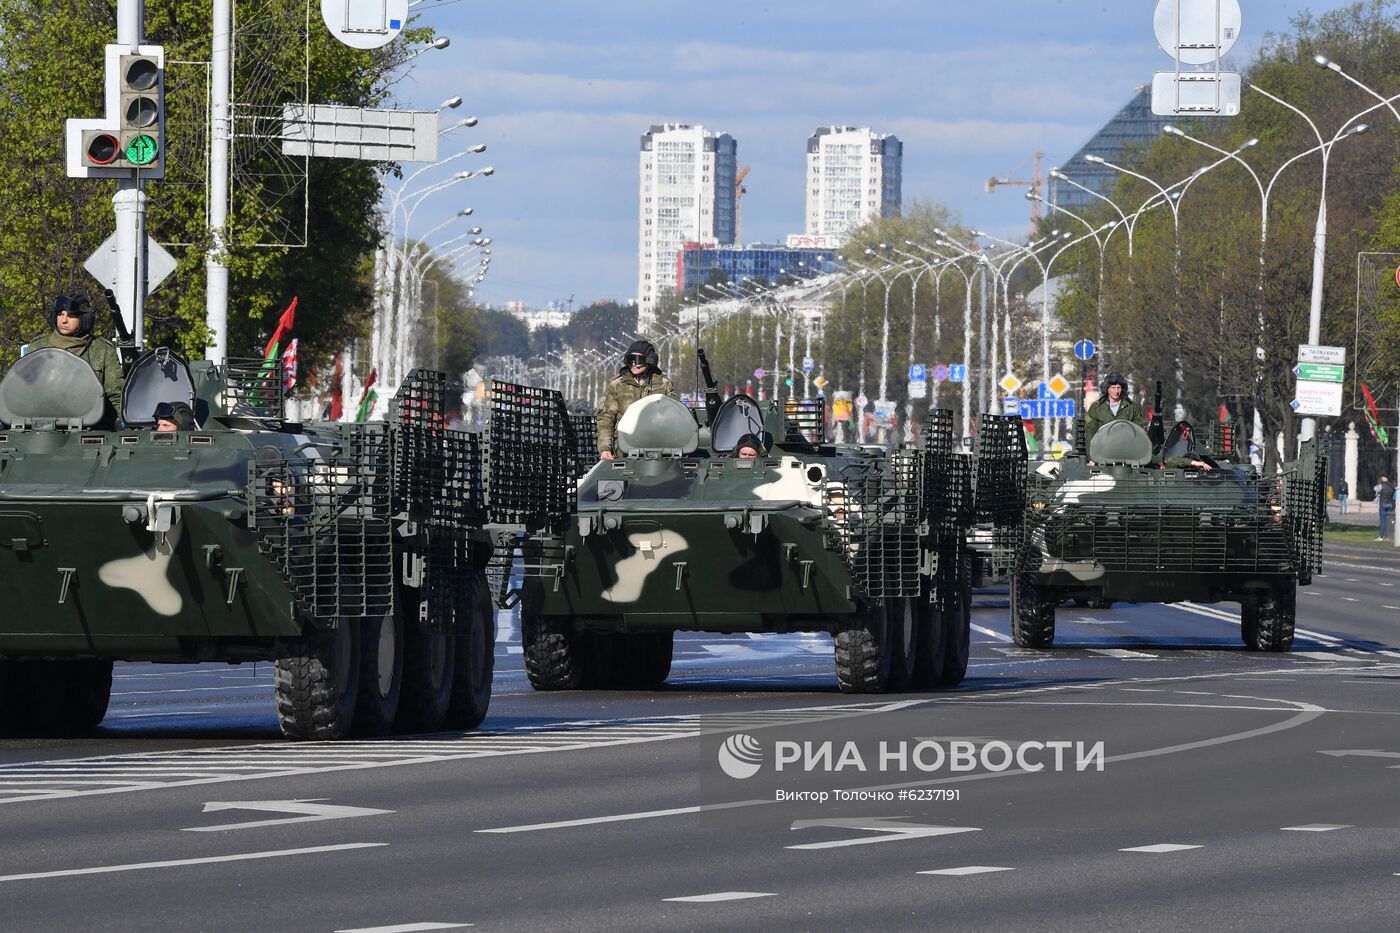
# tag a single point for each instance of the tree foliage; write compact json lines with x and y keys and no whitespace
{"x":49,"y":223}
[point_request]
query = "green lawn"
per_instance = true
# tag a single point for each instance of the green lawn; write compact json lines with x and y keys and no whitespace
{"x":1355,"y":534}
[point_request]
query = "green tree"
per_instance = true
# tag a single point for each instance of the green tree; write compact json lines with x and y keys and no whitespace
{"x":49,"y":223}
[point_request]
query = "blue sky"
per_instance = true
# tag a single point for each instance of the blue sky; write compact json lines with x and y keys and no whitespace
{"x":564,"y":89}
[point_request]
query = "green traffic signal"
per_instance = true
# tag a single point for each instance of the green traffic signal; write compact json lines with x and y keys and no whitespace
{"x":142,"y":150}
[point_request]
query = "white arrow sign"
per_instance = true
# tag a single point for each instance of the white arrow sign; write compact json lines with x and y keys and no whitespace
{"x":309,"y":811}
{"x":890,"y":828}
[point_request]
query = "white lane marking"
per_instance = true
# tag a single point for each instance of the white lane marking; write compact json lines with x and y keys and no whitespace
{"x":309,"y":811}
{"x":966,"y":870}
{"x":991,"y":633}
{"x":253,"y":762}
{"x":1317,"y":827}
{"x":1350,"y":599}
{"x":624,"y":817}
{"x":1340,"y":563}
{"x":1125,"y":653}
{"x":180,"y":863}
{"x":1351,"y":579}
{"x":250,"y":686}
{"x":719,"y":896}
{"x":1318,"y":655}
{"x":1160,"y":847}
{"x":889,"y":828}
{"x":1213,"y":613}
{"x":1357,"y":753}
{"x":1390,"y":607}
{"x":406,"y":928}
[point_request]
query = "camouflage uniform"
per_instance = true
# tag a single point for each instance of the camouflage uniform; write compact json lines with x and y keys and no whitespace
{"x":622,"y":391}
{"x":99,"y":353}
{"x":1100,"y":414}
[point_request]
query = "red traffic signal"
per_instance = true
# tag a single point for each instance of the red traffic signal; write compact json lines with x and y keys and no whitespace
{"x":100,"y":147}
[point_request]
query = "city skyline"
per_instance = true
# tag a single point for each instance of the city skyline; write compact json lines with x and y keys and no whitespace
{"x":563,"y":92}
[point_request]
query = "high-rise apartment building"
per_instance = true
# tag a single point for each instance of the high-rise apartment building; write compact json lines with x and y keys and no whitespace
{"x":687,"y":196}
{"x":853,"y":176}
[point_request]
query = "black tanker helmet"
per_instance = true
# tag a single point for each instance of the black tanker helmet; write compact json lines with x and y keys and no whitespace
{"x":749,"y":440}
{"x":646,"y":351}
{"x":75,"y":305}
{"x":1115,"y":379}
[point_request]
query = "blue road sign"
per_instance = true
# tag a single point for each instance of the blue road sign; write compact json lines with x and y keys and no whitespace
{"x":759,"y":373}
{"x":1084,"y":350}
{"x":808,"y":364}
{"x":957,"y":373}
{"x":917,"y":372}
{"x":940,"y":373}
{"x":1047,"y":408}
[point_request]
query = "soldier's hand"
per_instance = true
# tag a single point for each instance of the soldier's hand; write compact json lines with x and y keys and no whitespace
{"x":607,"y":455}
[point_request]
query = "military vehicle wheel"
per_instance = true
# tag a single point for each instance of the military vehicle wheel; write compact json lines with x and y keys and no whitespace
{"x":1249,"y":624}
{"x":381,"y":674}
{"x":475,"y":663}
{"x":553,"y":655}
{"x":928,"y":643}
{"x":865,"y":652}
{"x":904,"y":628}
{"x":957,"y":629}
{"x":1273,"y":630}
{"x":640,"y":661}
{"x":317,"y":686}
{"x":429,"y":662}
{"x":1032,"y":614}
{"x":87,"y":691}
{"x":53,"y":698}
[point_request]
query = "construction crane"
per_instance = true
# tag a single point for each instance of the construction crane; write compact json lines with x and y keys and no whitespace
{"x":739,"y":192}
{"x":1035,"y":184}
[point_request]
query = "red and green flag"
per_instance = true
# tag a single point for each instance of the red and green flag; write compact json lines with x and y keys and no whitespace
{"x":1373,"y":418}
{"x":282,"y":331}
{"x":367,"y":397}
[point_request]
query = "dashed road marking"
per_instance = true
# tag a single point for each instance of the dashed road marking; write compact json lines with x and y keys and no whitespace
{"x":991,"y":633}
{"x":180,"y":863}
{"x":1316,"y":827}
{"x":966,"y":870}
{"x":1125,"y":653}
{"x":1160,"y":847}
{"x":407,"y":928}
{"x":719,"y":896}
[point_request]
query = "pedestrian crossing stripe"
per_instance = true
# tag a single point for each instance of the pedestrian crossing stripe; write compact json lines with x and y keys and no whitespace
{"x":125,"y":773}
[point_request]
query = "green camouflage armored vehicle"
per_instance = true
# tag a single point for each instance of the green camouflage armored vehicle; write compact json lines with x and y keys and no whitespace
{"x":1129,"y":524}
{"x":352,"y":555}
{"x":677,"y":534}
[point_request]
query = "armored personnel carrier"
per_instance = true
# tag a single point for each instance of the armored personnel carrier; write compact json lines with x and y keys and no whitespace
{"x":1121,"y":524}
{"x":678,"y":534}
{"x":351,"y":555}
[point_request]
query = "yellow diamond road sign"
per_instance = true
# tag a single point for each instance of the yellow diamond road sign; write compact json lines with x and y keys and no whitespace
{"x":1009,"y":383}
{"x":1058,"y":385}
{"x":820,"y":381}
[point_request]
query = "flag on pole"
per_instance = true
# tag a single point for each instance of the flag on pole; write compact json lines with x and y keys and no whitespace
{"x":289,"y":366}
{"x":1373,"y":418}
{"x":1032,"y":444}
{"x":337,"y":384}
{"x":284,"y":327}
{"x":367,"y":397}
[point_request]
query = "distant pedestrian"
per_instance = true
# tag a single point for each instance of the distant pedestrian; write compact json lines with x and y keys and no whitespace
{"x":1385,"y":498}
{"x":1343,"y":490}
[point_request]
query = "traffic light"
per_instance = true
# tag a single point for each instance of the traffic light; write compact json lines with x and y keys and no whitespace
{"x":142,"y":110}
{"x":130,"y":139}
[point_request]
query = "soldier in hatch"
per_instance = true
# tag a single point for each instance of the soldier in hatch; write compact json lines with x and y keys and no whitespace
{"x":749,"y":447}
{"x":638,"y":377}
{"x":71,"y":322}
{"x":1114,"y":405}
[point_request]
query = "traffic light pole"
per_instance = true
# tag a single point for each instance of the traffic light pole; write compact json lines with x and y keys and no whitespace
{"x":129,"y":203}
{"x":216,"y":259}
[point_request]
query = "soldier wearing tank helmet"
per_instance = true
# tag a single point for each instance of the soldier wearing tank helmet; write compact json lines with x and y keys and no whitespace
{"x":71,"y":321}
{"x":636,"y":378}
{"x":1114,"y":405}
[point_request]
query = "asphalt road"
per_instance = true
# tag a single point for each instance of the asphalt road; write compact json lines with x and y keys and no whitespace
{"x":1232,"y":791}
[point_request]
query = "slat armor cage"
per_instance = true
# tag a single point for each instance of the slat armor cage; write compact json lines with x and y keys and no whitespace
{"x":873,"y":513}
